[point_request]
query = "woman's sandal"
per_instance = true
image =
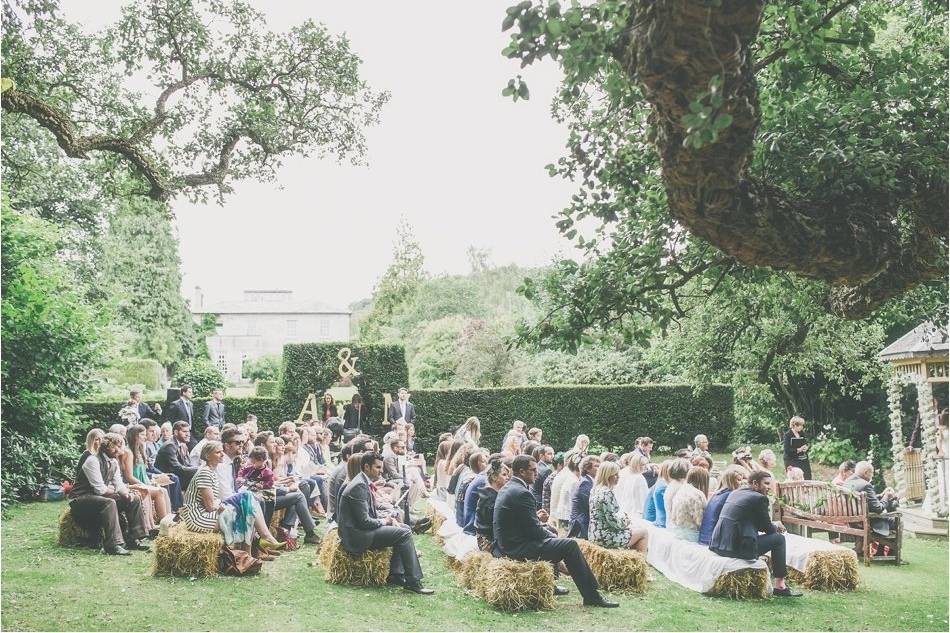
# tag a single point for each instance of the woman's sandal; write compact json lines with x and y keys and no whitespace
{"x":268,"y":546}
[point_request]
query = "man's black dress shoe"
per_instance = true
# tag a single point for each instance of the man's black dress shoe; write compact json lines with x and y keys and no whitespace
{"x":141,"y":547}
{"x":419,"y":589}
{"x":786,"y":592}
{"x":561,"y":591}
{"x":422,"y":525}
{"x":600,"y":602}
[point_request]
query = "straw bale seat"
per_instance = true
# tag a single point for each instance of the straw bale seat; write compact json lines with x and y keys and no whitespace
{"x":369,"y":569}
{"x":743,"y":584}
{"x":616,"y":569}
{"x":511,"y":585}
{"x":70,"y":533}
{"x":182,"y":552}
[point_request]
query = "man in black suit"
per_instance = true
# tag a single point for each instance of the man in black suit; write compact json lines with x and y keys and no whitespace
{"x":402,"y":409}
{"x":580,"y":501}
{"x":214,"y":409}
{"x":519,"y":535}
{"x":181,"y":409}
{"x":744,"y":515}
{"x":174,"y":456}
{"x":360,"y":529}
{"x":145,"y":411}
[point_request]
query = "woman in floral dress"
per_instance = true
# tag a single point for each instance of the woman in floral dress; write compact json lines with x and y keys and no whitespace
{"x":609,"y":525}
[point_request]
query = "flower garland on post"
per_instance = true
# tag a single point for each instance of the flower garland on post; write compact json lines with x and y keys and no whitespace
{"x":895,"y":390}
{"x":929,"y":438}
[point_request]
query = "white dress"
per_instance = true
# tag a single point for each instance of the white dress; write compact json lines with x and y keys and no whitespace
{"x":631,"y":492}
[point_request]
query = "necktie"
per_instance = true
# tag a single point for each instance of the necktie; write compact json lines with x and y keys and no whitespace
{"x":183,"y":452}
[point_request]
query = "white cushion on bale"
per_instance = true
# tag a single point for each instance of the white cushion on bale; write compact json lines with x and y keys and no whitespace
{"x":691,"y":565}
{"x":799,"y":548}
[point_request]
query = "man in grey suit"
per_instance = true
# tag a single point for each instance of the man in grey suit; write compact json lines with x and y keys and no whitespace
{"x":360,"y":529}
{"x":214,"y":409}
{"x":860,"y":482}
{"x":402,"y":410}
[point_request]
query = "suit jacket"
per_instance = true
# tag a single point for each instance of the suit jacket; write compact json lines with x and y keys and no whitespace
{"x":356,"y":516}
{"x":168,"y":460}
{"x":214,"y":413}
{"x":353,"y":419}
{"x":395,"y":413}
{"x":146,"y":411}
{"x":580,"y":508}
{"x":518,"y":532}
{"x":744,"y":514}
{"x":544,"y":470}
{"x":391,"y":467}
{"x":875,"y":505}
{"x":180,"y":410}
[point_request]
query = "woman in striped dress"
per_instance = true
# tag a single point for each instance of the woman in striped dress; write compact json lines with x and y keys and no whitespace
{"x":235,"y":518}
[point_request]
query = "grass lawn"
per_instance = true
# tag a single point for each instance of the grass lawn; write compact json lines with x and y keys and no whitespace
{"x":46,"y":587}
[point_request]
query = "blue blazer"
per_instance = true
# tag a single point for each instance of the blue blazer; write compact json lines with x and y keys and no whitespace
{"x":711,"y":515}
{"x":580,"y":509}
{"x":658,"y":495}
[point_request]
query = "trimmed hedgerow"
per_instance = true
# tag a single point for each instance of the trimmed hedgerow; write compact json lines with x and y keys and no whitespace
{"x":266,"y":389}
{"x":312,"y":368}
{"x":612,"y":415}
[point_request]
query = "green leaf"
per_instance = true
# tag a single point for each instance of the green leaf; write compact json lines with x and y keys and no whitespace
{"x":508,"y":22}
{"x":722,"y":121}
{"x":555,"y":27}
{"x":523,"y":91}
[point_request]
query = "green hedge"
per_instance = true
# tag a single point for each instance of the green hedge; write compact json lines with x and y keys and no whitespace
{"x":611,"y":415}
{"x":266,"y":389}
{"x":313,"y":367}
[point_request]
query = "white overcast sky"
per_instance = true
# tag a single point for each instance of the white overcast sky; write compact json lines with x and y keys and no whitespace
{"x":462,"y":163}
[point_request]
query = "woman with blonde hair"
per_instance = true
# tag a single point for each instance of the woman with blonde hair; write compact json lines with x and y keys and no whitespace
{"x":795,"y":446}
{"x":581,"y":444}
{"x":632,"y":489}
{"x":689,"y":505}
{"x":609,"y":524}
{"x":733,"y":477}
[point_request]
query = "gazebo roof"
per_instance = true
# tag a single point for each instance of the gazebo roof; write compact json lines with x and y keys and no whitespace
{"x":924,"y":341}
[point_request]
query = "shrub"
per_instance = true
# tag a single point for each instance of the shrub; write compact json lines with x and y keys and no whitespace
{"x":266,"y":388}
{"x":201,"y":375}
{"x":144,"y":372}
{"x":611,"y":415}
{"x":262,"y":368}
{"x":831,"y":451}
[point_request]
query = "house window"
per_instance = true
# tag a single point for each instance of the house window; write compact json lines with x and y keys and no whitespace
{"x":291,"y":328}
{"x":243,"y":362}
{"x":222,"y":364}
{"x":324,"y":327}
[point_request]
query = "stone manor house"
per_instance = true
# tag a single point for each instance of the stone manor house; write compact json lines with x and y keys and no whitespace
{"x":262,"y":322}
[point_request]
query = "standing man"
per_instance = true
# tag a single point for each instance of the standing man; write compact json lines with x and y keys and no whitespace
{"x":174,"y":457}
{"x":145,"y":411}
{"x":214,"y":409}
{"x":745,"y":514}
{"x":544,"y":455}
{"x":519,"y":535}
{"x":181,"y":409}
{"x":402,"y":410}
{"x":360,"y":529}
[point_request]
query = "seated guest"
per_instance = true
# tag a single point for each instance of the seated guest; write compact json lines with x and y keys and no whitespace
{"x":580,"y":500}
{"x":732,"y":478}
{"x":459,"y":469}
{"x":678,"y":470}
{"x":519,"y":535}
{"x":701,"y":443}
{"x":467,"y":496}
{"x":440,"y":480}
{"x":166,"y":434}
{"x":528,"y":447}
{"x":98,"y":497}
{"x":288,"y":498}
{"x":561,"y":492}
{"x":742,"y":457}
{"x":631,"y":489}
{"x":644,"y":447}
{"x":794,"y":473}
{"x":689,"y":503}
{"x":607,"y":456}
{"x":546,"y":493}
{"x":655,"y":508}
{"x":534,"y":434}
{"x":845,"y":471}
{"x":544,"y":455}
{"x":312,"y":466}
{"x":471,"y":431}
{"x":511,"y":444}
{"x":361,"y":530}
{"x":860,"y":482}
{"x":235,"y":517}
{"x":336,"y":481}
{"x":497,"y":475}
{"x":401,"y":471}
{"x":174,"y":456}
{"x":706,"y":463}
{"x":766,"y":461}
{"x":609,"y":524}
{"x":212,"y":433}
{"x":134,"y":474}
{"x":737,"y":533}
{"x":152,"y":432}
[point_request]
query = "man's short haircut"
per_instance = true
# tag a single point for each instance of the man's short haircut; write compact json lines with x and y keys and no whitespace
{"x":401,"y":389}
{"x":369,"y":458}
{"x":258,"y":453}
{"x":645,"y":440}
{"x":528,"y":447}
{"x":679,"y":468}
{"x":184,"y":388}
{"x":209,"y":430}
{"x":863,"y":466}
{"x":534,"y":430}
{"x":587,"y":461}
{"x":181,"y":424}
{"x":521,"y":463}
{"x":148,"y":422}
{"x":228,"y":436}
{"x":261,"y":438}
{"x":609,"y":457}
{"x":758,"y":476}
{"x":699,"y":438}
{"x":538,"y":452}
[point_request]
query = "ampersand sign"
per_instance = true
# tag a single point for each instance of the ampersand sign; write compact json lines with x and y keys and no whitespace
{"x":347,"y":366}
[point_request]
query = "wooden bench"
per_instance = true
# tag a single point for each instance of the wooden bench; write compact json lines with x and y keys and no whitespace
{"x":822,"y":507}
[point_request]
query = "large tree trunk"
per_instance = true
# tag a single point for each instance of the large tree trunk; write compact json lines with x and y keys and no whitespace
{"x":674,"y":49}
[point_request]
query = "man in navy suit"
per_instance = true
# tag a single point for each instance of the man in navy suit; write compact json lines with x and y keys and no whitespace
{"x":580,"y":501}
{"x":402,"y":409}
{"x":145,"y":411}
{"x":519,"y":534}
{"x":744,"y":515}
{"x":181,"y":409}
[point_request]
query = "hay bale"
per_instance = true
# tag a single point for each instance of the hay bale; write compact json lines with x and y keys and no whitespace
{"x":831,"y":571}
{"x":472,"y":566}
{"x":616,"y":569}
{"x":182,"y":552}
{"x":742,"y":584}
{"x":512,"y":585}
{"x":369,"y":569}
{"x":70,"y":534}
{"x":275,"y":520}
{"x":455,"y":565}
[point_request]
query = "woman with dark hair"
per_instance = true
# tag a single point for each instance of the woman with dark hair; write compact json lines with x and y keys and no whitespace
{"x":328,"y":407}
{"x":134,"y":473}
{"x":354,"y":416}
{"x":498,"y":475}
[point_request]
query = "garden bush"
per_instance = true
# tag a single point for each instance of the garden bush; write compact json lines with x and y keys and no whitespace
{"x":201,"y":375}
{"x":266,"y":388}
{"x":144,"y":372}
{"x":831,"y":451}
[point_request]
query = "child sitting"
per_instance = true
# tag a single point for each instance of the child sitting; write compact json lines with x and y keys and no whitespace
{"x":256,"y":476}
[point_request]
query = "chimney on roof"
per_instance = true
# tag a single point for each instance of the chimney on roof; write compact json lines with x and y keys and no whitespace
{"x":199,"y":300}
